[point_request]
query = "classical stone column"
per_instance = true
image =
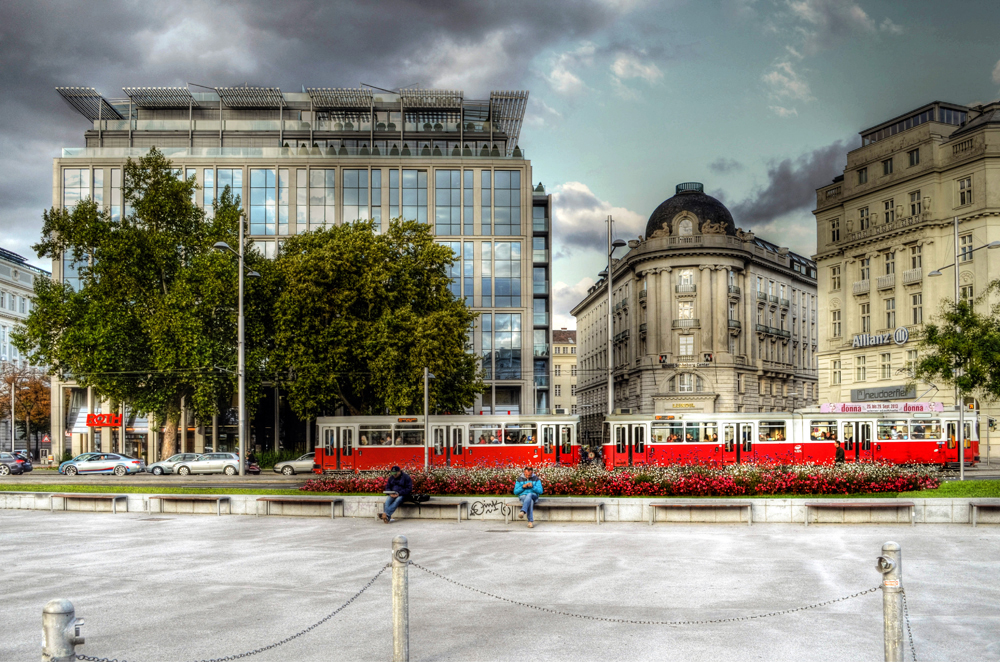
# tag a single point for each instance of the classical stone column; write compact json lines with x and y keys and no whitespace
{"x":652,"y":306}
{"x":721,"y":297}
{"x":664,"y":281}
{"x":705,"y":308}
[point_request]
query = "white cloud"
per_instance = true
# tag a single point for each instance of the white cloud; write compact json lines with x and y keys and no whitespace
{"x":564,"y":297}
{"x":540,"y":113}
{"x":579,"y":219}
{"x":996,"y":73}
{"x":781,"y":111}
{"x":562,"y":79}
{"x":628,"y":66}
{"x":786,"y":83}
{"x":888,"y":26}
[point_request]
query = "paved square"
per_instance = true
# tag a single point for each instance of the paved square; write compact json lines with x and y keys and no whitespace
{"x":174,"y":588}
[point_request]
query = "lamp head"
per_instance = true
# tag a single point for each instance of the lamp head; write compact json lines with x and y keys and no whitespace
{"x":221,"y":246}
{"x":936,"y":272}
{"x":993,"y":244}
{"x":603,"y":274}
{"x":617,"y":243}
{"x":253,"y":274}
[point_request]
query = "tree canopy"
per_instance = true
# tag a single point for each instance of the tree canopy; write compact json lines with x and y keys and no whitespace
{"x":360,"y":314}
{"x":154,"y":317}
{"x":963,"y":348}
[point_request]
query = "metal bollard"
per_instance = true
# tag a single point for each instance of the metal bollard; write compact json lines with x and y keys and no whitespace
{"x":400,"y":601}
{"x":890,"y":564}
{"x":60,"y":631}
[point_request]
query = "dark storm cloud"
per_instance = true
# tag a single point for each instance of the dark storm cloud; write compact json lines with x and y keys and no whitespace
{"x":791,"y":185}
{"x":445,"y":43}
{"x":724,"y":166}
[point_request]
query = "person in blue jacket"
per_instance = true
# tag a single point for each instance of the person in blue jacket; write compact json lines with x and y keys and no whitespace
{"x":528,"y":488}
{"x":397,"y":488}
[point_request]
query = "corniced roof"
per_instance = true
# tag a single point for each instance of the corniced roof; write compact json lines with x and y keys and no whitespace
{"x":691,"y":197}
{"x":564,"y":337}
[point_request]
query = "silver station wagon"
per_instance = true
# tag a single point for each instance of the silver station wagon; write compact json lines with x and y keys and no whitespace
{"x":210,"y":463}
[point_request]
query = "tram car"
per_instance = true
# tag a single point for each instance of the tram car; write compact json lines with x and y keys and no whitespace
{"x":361,"y":443}
{"x":907,"y":437}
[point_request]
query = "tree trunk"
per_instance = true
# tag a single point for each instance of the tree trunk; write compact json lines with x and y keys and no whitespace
{"x":170,"y":430}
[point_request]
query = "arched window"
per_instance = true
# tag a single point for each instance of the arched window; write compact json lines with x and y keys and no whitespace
{"x":685,"y":228}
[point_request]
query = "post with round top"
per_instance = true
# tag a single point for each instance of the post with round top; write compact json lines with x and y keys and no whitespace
{"x":400,"y":601}
{"x":891,"y":566}
{"x":60,"y":631}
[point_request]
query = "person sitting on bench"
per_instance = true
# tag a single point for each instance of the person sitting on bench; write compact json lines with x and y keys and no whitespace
{"x":528,"y":488}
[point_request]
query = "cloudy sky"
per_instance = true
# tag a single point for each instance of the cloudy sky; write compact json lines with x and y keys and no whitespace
{"x":758,"y":99}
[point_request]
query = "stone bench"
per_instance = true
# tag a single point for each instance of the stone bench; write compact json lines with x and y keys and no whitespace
{"x":569,"y":504}
{"x":866,"y":505}
{"x":435,"y":502}
{"x":687,"y":503}
{"x":193,"y":498}
{"x":976,"y":506}
{"x":113,"y":498}
{"x":333,"y":501}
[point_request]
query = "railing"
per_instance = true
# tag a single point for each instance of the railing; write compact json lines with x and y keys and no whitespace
{"x":774,"y":331}
{"x":540,"y":287}
{"x":618,"y":306}
{"x":414,"y":151}
{"x":540,"y":224}
{"x":686,"y":324}
{"x":735,"y":324}
{"x":734,"y":289}
{"x":760,"y":328}
{"x":642,"y":295}
{"x":913,"y":276}
{"x":876,"y":230}
{"x":886,"y":282}
{"x":784,"y":334}
{"x":539,"y":256}
{"x":642,"y":328}
{"x":624,"y":303}
{"x":773,"y":298}
{"x":540,"y":319}
{"x":862,"y":286}
{"x":783,"y":303}
{"x":685,"y":289}
{"x":541,"y":349}
{"x":761,"y":296}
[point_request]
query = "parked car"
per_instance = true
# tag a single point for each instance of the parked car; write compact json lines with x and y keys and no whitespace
{"x":169,"y":465}
{"x":13,"y":464}
{"x":210,"y":463}
{"x":303,"y":464}
{"x":102,"y":463}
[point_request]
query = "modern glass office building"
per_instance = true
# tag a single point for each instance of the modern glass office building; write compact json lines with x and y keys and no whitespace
{"x":326,"y":156}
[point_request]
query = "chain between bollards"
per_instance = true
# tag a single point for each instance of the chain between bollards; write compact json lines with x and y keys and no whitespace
{"x":400,"y":600}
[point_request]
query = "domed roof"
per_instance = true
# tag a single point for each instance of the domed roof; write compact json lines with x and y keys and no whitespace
{"x":710,"y":215}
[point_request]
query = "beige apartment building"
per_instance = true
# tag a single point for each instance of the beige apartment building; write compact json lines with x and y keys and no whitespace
{"x":707,"y":318}
{"x":564,"y":371}
{"x":884,"y":226}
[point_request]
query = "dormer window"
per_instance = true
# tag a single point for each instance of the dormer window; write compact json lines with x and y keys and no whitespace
{"x":685,"y":228}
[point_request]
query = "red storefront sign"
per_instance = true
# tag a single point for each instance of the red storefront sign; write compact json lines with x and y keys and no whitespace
{"x":104,"y":420}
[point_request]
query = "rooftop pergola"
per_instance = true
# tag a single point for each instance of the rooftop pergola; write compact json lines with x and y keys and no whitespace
{"x":160,"y":97}
{"x":437,"y":99}
{"x":338,"y":98}
{"x":251,"y":97}
{"x":90,"y":103}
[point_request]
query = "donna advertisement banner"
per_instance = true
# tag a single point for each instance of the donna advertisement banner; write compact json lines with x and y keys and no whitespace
{"x":880,"y":407}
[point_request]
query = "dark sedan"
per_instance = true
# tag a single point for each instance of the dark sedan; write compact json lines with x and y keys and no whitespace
{"x":13,"y":464}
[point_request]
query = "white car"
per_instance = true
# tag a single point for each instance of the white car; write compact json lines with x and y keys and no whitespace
{"x":169,"y":465}
{"x":210,"y":463}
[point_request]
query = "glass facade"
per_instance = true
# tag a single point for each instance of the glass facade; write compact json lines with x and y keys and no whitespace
{"x":233,"y":178}
{"x":447,"y":202}
{"x":207,"y":191}
{"x":415,"y":195}
{"x":76,"y":186}
{"x":283,"y":196}
{"x":263,"y":206}
{"x":355,"y":194}
{"x":376,"y":207}
{"x":486,"y":222}
{"x":469,"y":199}
{"x":507,"y":205}
{"x":322,"y":198}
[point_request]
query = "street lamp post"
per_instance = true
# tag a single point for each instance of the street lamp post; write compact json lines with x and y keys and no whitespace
{"x":241,"y":347}
{"x":427,"y":418}
{"x":959,"y":400}
{"x":612,"y":245}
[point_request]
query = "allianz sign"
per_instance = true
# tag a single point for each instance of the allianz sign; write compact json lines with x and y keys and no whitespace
{"x":900,"y":336}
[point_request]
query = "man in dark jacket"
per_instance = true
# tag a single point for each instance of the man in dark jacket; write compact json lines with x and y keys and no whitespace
{"x":397,"y":488}
{"x":838,"y":457}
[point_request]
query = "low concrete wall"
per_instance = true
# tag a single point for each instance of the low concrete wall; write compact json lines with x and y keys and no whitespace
{"x":928,"y":511}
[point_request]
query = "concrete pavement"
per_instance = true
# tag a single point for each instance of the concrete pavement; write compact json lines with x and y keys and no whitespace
{"x":171,"y":588}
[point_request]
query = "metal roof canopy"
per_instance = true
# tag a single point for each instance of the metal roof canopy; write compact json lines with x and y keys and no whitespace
{"x":413,"y":97}
{"x":251,"y":97}
{"x":160,"y":97}
{"x":331,"y":98}
{"x":89,"y":103}
{"x":507,"y":113}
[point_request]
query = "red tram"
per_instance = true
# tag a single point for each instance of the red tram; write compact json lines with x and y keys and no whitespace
{"x":359,"y":443}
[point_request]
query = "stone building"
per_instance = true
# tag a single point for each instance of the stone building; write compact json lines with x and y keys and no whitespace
{"x":564,"y":371}
{"x":707,"y":318}
{"x":884,"y":226}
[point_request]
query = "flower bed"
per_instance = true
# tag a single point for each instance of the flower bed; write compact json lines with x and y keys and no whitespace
{"x":678,"y":480}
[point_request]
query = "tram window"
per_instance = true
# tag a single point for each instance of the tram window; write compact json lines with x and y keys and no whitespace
{"x":668,"y":433}
{"x":772,"y":431}
{"x":523,"y":433}
{"x":701,"y":432}
{"x":823,"y":430}
{"x":409,"y":435}
{"x":486,"y":434}
{"x":376,"y":436}
{"x":566,"y":439}
{"x":621,"y":439}
{"x":547,"y":439}
{"x":893,"y":430}
{"x":729,"y":435}
{"x":925,"y":429}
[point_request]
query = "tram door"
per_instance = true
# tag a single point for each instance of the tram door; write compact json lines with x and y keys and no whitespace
{"x":338,"y":448}
{"x":550,"y":449}
{"x":639,"y":445}
{"x":620,"y":438}
{"x":629,"y":444}
{"x":731,"y":442}
{"x":951,"y":454}
{"x":456,"y":451}
{"x":439,"y":446}
{"x":564,"y":451}
{"x":857,"y":439}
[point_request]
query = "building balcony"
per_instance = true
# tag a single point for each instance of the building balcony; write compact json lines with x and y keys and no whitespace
{"x":541,"y":349}
{"x":540,"y":256}
{"x":686,"y":324}
{"x":886,"y":282}
{"x":642,"y":328}
{"x":862,"y":286}
{"x":784,"y":334}
{"x":760,"y":328}
{"x":540,"y":225}
{"x":540,"y":287}
{"x":774,"y":331}
{"x":541,"y":381}
{"x":912,"y":276}
{"x":772,"y":298}
{"x":734,"y":290}
{"x":735,"y":326}
{"x":642,"y":297}
{"x":540,"y":319}
{"x":784,"y":304}
{"x":761,"y":296}
{"x":685,"y":289}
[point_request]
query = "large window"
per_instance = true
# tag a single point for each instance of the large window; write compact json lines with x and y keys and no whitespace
{"x":301,"y":200}
{"x":394,"y":193}
{"x":965,"y":248}
{"x":507,"y":339}
{"x":355,"y":195}
{"x":99,"y":185}
{"x":469,"y":200}
{"x":890,"y":263}
{"x":507,"y":270}
{"x":76,"y":186}
{"x":860,"y":368}
{"x":885,"y":365}
{"x":231,"y":177}
{"x":866,"y":268}
{"x":376,"y":209}
{"x":917,"y":307}
{"x":116,"y":195}
{"x":507,"y":202}
{"x":965,"y":191}
{"x":835,"y":278}
{"x":207,"y":192}
{"x":262,"y":201}
{"x":864,"y":218}
{"x":415,"y":195}
{"x":866,"y":318}
{"x":461,"y":271}
{"x":322,"y":198}
{"x":890,"y":210}
{"x":283,"y":200}
{"x":835,"y":323}
{"x":890,"y":313}
{"x":685,"y":310}
{"x":687,"y":345}
{"x":916,"y":258}
{"x":915,"y":205}
{"x":447,"y":202}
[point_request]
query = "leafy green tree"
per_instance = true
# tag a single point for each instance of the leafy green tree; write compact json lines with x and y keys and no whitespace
{"x":361,"y":314}
{"x":154,"y":318}
{"x":962,"y":349}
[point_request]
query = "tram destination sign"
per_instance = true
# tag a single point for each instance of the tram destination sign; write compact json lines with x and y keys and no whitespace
{"x":883,"y":393}
{"x":880,"y":407}
{"x":900,"y":336}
